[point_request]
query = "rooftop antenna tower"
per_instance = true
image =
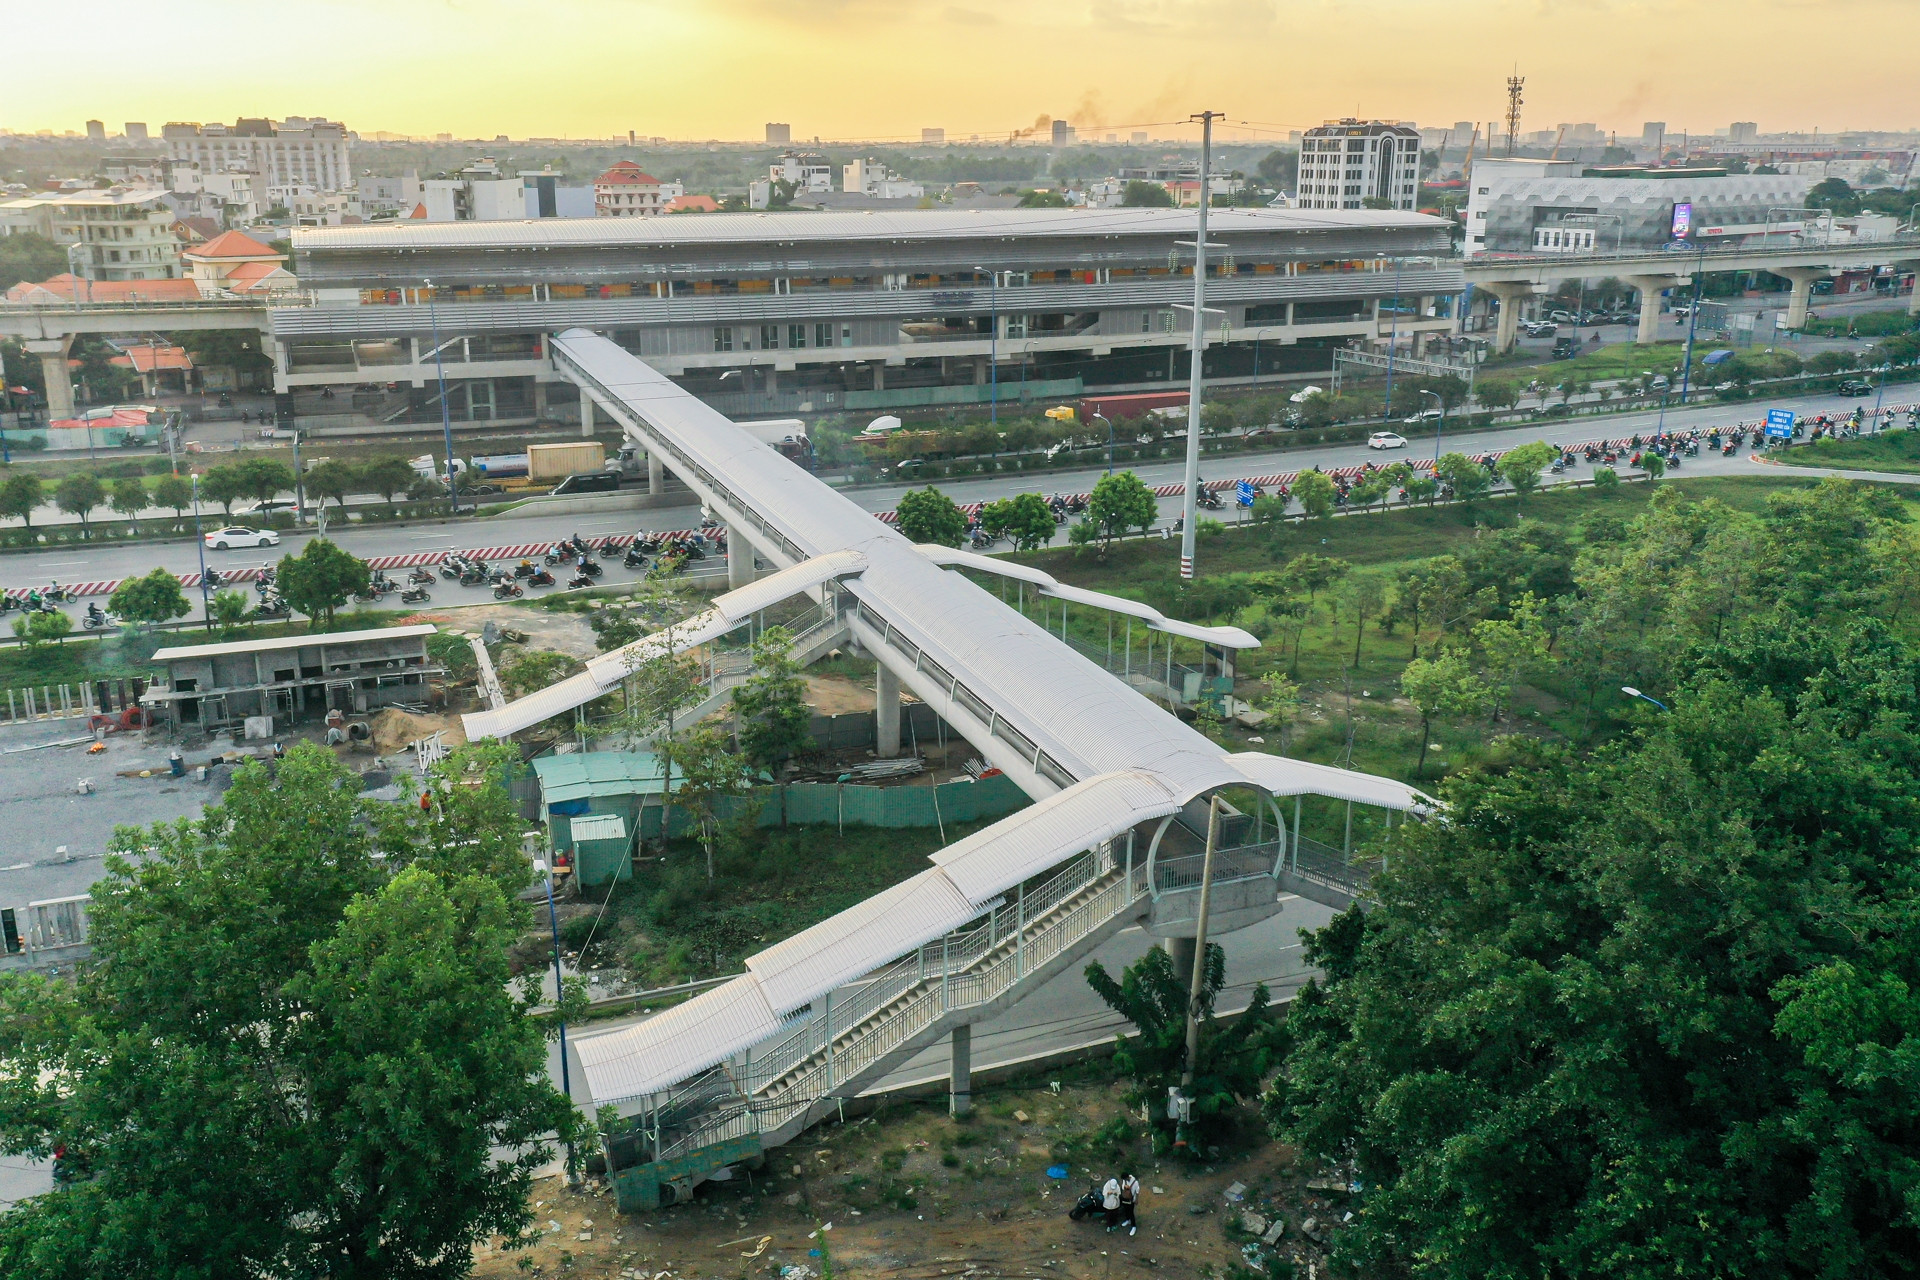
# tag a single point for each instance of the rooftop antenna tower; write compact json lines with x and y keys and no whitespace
{"x":1514,"y":85}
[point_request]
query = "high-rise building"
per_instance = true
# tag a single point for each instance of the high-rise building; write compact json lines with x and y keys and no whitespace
{"x":1653,"y":133}
{"x":933,"y":137}
{"x":1139,"y":137}
{"x":300,"y":151}
{"x":1743,"y":131}
{"x":1062,"y":133}
{"x":780,"y":133}
{"x":96,"y":131}
{"x":136,"y":132}
{"x":1345,"y":163}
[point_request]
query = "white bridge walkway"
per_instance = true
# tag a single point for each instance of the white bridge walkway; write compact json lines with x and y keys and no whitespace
{"x":1110,"y":839}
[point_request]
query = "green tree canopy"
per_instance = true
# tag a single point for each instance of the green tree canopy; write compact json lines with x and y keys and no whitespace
{"x":387,"y":475}
{"x":1146,"y":195}
{"x":332,"y":479}
{"x":1442,"y":687}
{"x":41,"y":628}
{"x":28,"y":256}
{"x":928,"y":515}
{"x":225,"y":484}
{"x":175,"y":492}
{"x":1024,"y":519}
{"x":1521,"y":465}
{"x":80,"y":495}
{"x":771,"y":704}
{"x":1315,"y":493}
{"x":1121,"y":503}
{"x":331,"y":1055}
{"x":1468,"y":478}
{"x":265,"y":479}
{"x":20,"y":496}
{"x":152,"y":598}
{"x":129,"y":496}
{"x":321,"y":579}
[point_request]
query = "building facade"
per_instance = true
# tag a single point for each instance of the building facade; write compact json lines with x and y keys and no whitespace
{"x":1552,"y":206}
{"x":626,"y":191}
{"x":116,"y":233}
{"x":1346,"y":163}
{"x":783,"y":313}
{"x":294,"y":152}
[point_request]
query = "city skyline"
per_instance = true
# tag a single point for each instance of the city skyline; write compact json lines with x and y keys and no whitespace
{"x":862,"y":70}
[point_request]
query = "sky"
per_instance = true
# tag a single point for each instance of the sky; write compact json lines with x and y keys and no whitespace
{"x":885,"y":69}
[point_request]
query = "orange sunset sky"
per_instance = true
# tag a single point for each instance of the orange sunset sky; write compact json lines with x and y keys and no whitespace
{"x":877,"y":69}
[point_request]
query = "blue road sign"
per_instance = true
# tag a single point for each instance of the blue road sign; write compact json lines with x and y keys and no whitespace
{"x":1780,"y":423}
{"x":1244,"y":493}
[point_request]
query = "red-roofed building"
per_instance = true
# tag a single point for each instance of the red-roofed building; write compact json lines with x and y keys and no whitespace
{"x":64,"y":289}
{"x":233,"y":262}
{"x":626,"y":191}
{"x":160,"y":367}
{"x":691,"y":204}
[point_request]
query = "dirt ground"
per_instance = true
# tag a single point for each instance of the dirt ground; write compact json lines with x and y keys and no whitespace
{"x":911,"y":1193}
{"x":566,"y":633}
{"x":837,"y":695}
{"x":393,"y":729}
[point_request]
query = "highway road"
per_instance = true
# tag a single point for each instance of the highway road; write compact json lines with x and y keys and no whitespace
{"x":118,"y":560}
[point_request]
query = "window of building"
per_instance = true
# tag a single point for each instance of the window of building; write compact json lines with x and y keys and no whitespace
{"x":796,"y":335}
{"x":846,"y":335}
{"x":823,"y":335}
{"x":722,"y":339}
{"x":769,"y":337}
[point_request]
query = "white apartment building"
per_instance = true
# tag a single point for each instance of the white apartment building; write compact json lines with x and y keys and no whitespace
{"x":1345,"y":163}
{"x":123,"y":233}
{"x":297,"y":151}
{"x":870,"y":177}
{"x":805,"y":170}
{"x":626,"y":191}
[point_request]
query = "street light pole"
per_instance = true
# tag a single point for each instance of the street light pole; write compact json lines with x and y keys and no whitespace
{"x":200,"y":545}
{"x":1190,"y":508}
{"x":1632,"y":692}
{"x":1103,"y":418}
{"x":1439,"y":425}
{"x":1693,"y":322}
{"x":446,"y":413}
{"x":559,"y":999}
{"x":1196,"y":987}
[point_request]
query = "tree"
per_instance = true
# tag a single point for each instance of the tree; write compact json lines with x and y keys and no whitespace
{"x":265,"y":479}
{"x":38,"y":628}
{"x":336,"y":1061}
{"x":1594,"y":1024}
{"x":928,"y":515}
{"x":151,"y":599}
{"x":708,"y":771}
{"x":1120,"y":503}
{"x":29,"y":257}
{"x":1654,"y":465}
{"x":228,"y":611}
{"x":225,"y":484}
{"x":614,"y":628}
{"x":332,"y":479}
{"x":78,"y":495}
{"x":1521,"y":467}
{"x":175,"y":492}
{"x":1315,"y":493}
{"x":1497,"y":396}
{"x":1282,"y":701}
{"x":1466,"y":477}
{"x":321,"y":579}
{"x":387,"y":475}
{"x":770,"y":707}
{"x":1605,"y":478}
{"x":1445,"y":687}
{"x":128,"y":496}
{"x":1361,"y":600}
{"x":1043,"y":200}
{"x":663,"y":681}
{"x":1024,"y":519}
{"x":1513,"y":647}
{"x":1232,"y":1059}
{"x":1830,"y":362}
{"x":1145,"y":195}
{"x":21,"y":496}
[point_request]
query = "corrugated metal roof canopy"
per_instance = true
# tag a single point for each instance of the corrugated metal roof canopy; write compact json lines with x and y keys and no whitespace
{"x":650,"y":1055}
{"x":581,"y":775}
{"x":292,"y":642}
{"x":802,"y":227}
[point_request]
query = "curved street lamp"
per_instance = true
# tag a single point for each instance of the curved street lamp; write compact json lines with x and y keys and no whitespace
{"x":1632,"y":692}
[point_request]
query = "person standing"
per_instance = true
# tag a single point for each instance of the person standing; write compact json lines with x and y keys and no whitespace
{"x":1129,"y":1202}
{"x":1110,"y":1201}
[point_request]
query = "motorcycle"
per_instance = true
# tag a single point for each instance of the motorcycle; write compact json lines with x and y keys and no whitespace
{"x":97,"y":619}
{"x":474,"y":576}
{"x":421,"y":577}
{"x":577,"y":581}
{"x":635,"y":557}
{"x":1209,"y":499}
{"x":608,"y":549}
{"x":1089,"y":1205}
{"x":1727,"y":449}
{"x":525,"y":569}
{"x":562,"y":553}
{"x":507,"y":589}
{"x":540,"y":578}
{"x":452,"y":567}
{"x":415,"y":595}
{"x":273,"y":606}
{"x":590,"y":568}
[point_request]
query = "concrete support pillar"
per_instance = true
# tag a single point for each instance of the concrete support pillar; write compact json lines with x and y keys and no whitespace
{"x":886,"y":712}
{"x":1650,"y":288}
{"x":1913,"y":299}
{"x":1182,"y":951}
{"x":980,"y":363}
{"x":960,"y":1083}
{"x":1802,"y":279}
{"x":586,"y":413}
{"x":739,"y":560}
{"x":879,"y":375}
{"x":773,"y":381}
{"x":1507,"y":323}
{"x":656,"y":474}
{"x":53,"y":369}
{"x":539,"y":399}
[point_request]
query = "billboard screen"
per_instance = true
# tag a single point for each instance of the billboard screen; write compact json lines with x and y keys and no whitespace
{"x":1682,"y":219}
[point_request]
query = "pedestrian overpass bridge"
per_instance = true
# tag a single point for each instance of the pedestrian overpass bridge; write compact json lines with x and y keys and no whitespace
{"x":1114,"y":836}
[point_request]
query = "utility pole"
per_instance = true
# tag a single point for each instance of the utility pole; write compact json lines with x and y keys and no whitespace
{"x":1190,"y":508}
{"x":1196,"y":989}
{"x":1514,"y":85}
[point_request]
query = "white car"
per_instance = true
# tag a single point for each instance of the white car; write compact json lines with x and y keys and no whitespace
{"x":1386,"y":440}
{"x":240,"y":536}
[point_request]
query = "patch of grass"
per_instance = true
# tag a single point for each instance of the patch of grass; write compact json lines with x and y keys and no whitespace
{"x":1865,"y":324}
{"x":1894,"y":451}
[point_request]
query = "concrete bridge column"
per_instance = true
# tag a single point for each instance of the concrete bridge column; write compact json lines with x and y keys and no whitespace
{"x":960,"y":1082}
{"x":1802,"y":279}
{"x":656,"y":474}
{"x":886,"y":712}
{"x":586,"y":413}
{"x":1650,"y":288}
{"x":1913,"y":299}
{"x":53,"y":369}
{"x":539,"y":399}
{"x":1509,"y":293}
{"x":739,"y":560}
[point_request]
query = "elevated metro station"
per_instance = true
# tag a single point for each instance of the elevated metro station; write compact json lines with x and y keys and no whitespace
{"x":1114,"y":837}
